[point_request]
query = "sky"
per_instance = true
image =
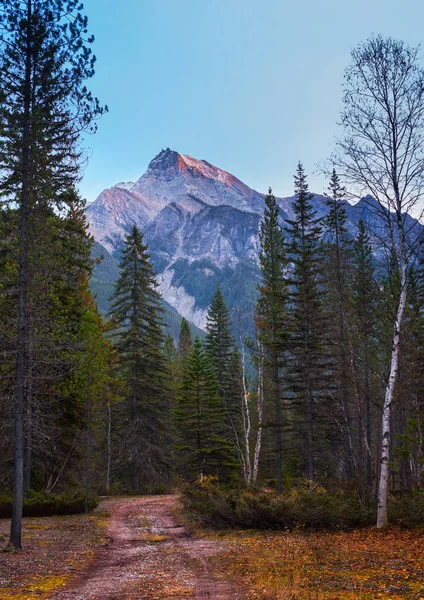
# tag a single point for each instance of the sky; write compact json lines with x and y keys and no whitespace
{"x":251,"y":86}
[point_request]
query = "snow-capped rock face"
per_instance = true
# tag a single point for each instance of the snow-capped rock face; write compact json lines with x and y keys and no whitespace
{"x":113,"y":212}
{"x":176,"y":193}
{"x":125,"y":185}
{"x":184,"y":303}
{"x":201,"y":225}
{"x":174,"y":177}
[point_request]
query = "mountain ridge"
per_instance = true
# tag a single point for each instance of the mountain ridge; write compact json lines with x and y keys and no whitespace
{"x":201,"y":225}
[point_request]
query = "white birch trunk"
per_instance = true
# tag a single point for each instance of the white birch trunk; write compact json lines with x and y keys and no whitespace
{"x":247,"y":463}
{"x":109,"y":446}
{"x":259,"y":405}
{"x":382,"y":518}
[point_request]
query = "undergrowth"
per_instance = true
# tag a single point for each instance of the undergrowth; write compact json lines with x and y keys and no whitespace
{"x":305,"y":506}
{"x":41,"y":504}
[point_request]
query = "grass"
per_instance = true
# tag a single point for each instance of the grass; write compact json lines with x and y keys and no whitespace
{"x":55,"y":551}
{"x":364,"y":564}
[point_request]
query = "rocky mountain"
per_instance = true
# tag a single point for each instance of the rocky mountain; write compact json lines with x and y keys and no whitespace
{"x":201,"y":225}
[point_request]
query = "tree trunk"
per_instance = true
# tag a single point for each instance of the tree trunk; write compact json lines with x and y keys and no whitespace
{"x":247,"y":463}
{"x":279,"y":436}
{"x":22,"y":341}
{"x":88,"y":445}
{"x":29,"y":411}
{"x":370,"y":468}
{"x":309,"y":439}
{"x":308,"y":407}
{"x":363,"y":445}
{"x":382,"y":519}
{"x":109,"y":446}
{"x":260,"y":405}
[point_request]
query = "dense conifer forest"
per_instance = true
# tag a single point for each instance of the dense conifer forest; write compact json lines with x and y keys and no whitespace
{"x":325,"y":397}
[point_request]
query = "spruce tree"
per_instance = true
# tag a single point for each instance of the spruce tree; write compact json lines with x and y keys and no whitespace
{"x":220,"y":346}
{"x":199,"y":416}
{"x":271,"y":314}
{"x":173,"y":379}
{"x":219,"y":340}
{"x":307,"y":345}
{"x":137,"y":310}
{"x":170,"y":352}
{"x":338,"y":276}
{"x":44,"y":107}
{"x":365,"y":305}
{"x":184,"y":346}
{"x":409,"y":416}
{"x":58,"y":301}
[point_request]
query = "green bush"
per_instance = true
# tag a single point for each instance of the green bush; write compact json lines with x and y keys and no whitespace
{"x":407,"y":510}
{"x":41,"y":504}
{"x":307,"y":506}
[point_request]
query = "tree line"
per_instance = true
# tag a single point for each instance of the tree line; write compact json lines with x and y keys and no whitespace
{"x":330,"y":386}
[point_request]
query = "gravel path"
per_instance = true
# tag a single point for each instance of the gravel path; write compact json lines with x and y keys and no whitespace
{"x":150,"y":556}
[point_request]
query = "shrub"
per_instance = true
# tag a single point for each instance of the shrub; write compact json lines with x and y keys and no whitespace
{"x":41,"y":504}
{"x":306,"y":506}
{"x":407,"y":510}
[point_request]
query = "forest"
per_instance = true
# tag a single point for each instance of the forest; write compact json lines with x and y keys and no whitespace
{"x":314,"y":420}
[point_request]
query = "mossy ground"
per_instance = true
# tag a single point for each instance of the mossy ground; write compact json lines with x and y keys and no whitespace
{"x":362,"y":564}
{"x":365,"y":564}
{"x":55,"y":551}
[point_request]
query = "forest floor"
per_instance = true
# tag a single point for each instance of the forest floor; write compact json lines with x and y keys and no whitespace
{"x":137,"y":549}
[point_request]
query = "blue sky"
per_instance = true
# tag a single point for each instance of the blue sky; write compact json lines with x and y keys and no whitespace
{"x":252,"y":86}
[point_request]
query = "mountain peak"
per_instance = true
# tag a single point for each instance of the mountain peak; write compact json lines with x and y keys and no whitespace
{"x":175,"y":177}
{"x":165,"y":160}
{"x":170,"y":162}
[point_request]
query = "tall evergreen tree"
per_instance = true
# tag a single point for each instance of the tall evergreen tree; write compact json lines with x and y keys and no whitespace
{"x":219,"y":340}
{"x":338,"y":275}
{"x":220,"y":346}
{"x":409,"y":414}
{"x":44,"y":106}
{"x":184,"y":346}
{"x":307,"y":345}
{"x":137,"y":310}
{"x":199,"y":417}
{"x":366,"y":330}
{"x":271,"y":314}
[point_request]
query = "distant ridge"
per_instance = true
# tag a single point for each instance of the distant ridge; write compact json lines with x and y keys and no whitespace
{"x":201,"y":224}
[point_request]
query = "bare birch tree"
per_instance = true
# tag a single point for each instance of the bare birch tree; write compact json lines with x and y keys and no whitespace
{"x":382,"y":153}
{"x":260,"y":410}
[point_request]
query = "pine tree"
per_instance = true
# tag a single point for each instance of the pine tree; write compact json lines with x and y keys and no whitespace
{"x":184,"y":346}
{"x":8,"y":303}
{"x":220,"y":346}
{"x":170,"y":352}
{"x":199,"y":418}
{"x":365,"y":310}
{"x":58,"y":291}
{"x":219,"y":340}
{"x":271,"y":314}
{"x":338,"y":275}
{"x":58,"y":301}
{"x":307,"y":345}
{"x":173,"y":376}
{"x":44,"y":106}
{"x":137,"y":310}
{"x":408,"y":419}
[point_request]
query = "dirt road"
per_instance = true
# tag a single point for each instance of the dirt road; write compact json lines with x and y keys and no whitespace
{"x":150,"y":556}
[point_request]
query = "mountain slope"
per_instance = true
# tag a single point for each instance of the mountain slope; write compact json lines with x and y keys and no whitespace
{"x":106,"y":272}
{"x":201,"y":225}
